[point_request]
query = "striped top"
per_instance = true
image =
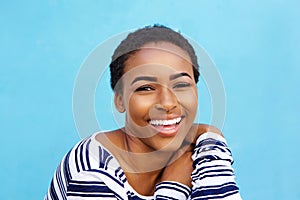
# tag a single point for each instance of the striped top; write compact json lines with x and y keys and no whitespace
{"x":89,"y":171}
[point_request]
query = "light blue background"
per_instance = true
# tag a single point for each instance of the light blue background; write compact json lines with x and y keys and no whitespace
{"x":255,"y":45}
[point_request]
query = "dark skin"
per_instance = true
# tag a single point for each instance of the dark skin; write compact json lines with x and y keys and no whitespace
{"x":179,"y":169}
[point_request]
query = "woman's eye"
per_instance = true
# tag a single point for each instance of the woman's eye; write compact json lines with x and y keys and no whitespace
{"x":144,"y":88}
{"x":182,"y":85}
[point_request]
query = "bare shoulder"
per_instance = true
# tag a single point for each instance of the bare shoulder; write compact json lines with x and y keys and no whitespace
{"x":111,"y":138}
{"x":198,"y":129}
{"x":203,"y":128}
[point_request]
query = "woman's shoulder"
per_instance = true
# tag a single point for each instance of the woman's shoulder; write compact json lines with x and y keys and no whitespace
{"x":199,"y":129}
{"x":111,"y":138}
{"x":204,"y":128}
{"x":87,"y":167}
{"x":91,"y":153}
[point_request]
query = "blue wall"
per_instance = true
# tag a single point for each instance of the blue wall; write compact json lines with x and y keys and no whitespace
{"x":255,"y":45}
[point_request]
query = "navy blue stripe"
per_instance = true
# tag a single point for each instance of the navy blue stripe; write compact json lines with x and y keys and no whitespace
{"x":211,"y":141}
{"x":53,"y":192}
{"x":104,"y":158}
{"x":181,"y":186}
{"x":67,"y":172}
{"x":214,"y":148}
{"x":117,"y":171}
{"x":216,"y":170}
{"x":90,"y":195}
{"x":162,"y":197}
{"x":60,"y":183}
{"x":88,"y":182}
{"x":76,"y":159}
{"x":100,"y":156}
{"x":87,"y":153}
{"x":216,"y":191}
{"x":132,"y":196}
{"x":169,"y":184}
{"x":81,"y":150}
{"x":209,"y":158}
{"x":121,"y":176}
{"x":89,"y":188}
{"x":216,"y":186}
{"x":172,"y":188}
{"x":203,"y":159}
{"x":197,"y":172}
{"x":109,"y":175}
{"x":218,"y":175}
{"x":100,"y":184}
{"x":58,"y":176}
{"x":107,"y":161}
{"x":164,"y":186}
{"x":203,"y":196}
{"x":207,"y":167}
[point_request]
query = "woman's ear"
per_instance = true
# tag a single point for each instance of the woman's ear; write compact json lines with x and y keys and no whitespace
{"x":118,"y":99}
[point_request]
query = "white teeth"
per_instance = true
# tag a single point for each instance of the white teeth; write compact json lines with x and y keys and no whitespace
{"x":165,"y":122}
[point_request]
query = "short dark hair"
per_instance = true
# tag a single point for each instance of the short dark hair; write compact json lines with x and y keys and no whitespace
{"x":135,"y":40}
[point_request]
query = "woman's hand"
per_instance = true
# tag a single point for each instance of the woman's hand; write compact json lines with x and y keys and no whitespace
{"x":180,"y":167}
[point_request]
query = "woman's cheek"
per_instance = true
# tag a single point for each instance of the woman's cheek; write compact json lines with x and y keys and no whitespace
{"x":188,"y":98}
{"x":138,"y":108}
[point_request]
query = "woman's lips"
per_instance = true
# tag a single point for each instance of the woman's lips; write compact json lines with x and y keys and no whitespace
{"x":166,"y":127}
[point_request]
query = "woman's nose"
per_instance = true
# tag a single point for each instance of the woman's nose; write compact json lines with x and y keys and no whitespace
{"x":167,"y":100}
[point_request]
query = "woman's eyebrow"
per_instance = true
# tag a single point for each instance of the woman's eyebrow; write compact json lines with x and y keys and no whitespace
{"x":174,"y":76}
{"x":144,"y":78}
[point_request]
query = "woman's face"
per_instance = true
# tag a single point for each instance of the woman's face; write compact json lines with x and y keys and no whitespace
{"x":159,"y":96}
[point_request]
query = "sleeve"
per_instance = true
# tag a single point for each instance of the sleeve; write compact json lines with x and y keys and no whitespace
{"x":57,"y":189}
{"x":84,"y":187}
{"x":213,"y":175}
{"x":70,"y":182}
{"x":171,"y":190}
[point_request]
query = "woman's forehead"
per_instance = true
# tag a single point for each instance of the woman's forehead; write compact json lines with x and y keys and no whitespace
{"x":159,"y":55}
{"x":167,"y":47}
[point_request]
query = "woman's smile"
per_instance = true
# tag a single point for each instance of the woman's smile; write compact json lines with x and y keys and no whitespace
{"x":166,"y":127}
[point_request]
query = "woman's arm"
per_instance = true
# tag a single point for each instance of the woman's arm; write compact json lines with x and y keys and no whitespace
{"x":76,"y":178}
{"x":209,"y":161}
{"x":213,"y":175}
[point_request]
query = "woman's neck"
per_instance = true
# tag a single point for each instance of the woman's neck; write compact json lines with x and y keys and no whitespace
{"x":133,"y":155}
{"x":141,"y":158}
{"x":138,"y":161}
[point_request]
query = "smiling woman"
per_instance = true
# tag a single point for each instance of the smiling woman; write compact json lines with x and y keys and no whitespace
{"x":159,"y":153}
